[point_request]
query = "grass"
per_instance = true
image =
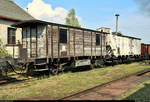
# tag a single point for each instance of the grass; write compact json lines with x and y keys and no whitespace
{"x":140,"y":92}
{"x":64,"y":84}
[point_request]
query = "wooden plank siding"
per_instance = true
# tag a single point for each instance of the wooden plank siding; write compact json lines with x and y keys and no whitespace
{"x":43,"y":42}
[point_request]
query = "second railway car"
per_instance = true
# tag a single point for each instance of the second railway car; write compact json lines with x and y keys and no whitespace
{"x":124,"y":45}
{"x":145,"y":51}
{"x":58,"y":45}
{"x":121,"y":45}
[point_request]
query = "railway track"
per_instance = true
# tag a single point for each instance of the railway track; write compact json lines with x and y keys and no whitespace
{"x":15,"y":81}
{"x":111,"y":89}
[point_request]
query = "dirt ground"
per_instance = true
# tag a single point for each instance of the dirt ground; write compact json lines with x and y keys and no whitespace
{"x":113,"y":90}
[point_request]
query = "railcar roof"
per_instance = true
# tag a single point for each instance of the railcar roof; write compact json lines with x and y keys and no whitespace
{"x":28,"y":22}
{"x":119,"y":34}
{"x":145,"y":44}
{"x":130,"y":37}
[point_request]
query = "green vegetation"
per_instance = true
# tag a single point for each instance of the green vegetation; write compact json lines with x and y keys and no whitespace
{"x":64,"y":84}
{"x":71,"y":19}
{"x":140,"y":92}
{"x":3,"y":51}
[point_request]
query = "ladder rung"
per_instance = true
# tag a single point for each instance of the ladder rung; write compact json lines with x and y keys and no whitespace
{"x":38,"y":70}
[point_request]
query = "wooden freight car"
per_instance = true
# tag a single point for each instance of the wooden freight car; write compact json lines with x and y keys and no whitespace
{"x":57,"y":45}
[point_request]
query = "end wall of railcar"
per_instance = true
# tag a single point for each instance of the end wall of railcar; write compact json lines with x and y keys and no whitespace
{"x":145,"y":49}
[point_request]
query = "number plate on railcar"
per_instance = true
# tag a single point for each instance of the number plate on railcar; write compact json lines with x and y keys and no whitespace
{"x":80,"y":63}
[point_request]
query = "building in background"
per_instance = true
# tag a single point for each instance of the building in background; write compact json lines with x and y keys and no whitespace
{"x":11,"y":13}
{"x":104,"y":29}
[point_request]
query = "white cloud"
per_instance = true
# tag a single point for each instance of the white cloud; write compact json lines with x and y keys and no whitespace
{"x":41,"y":10}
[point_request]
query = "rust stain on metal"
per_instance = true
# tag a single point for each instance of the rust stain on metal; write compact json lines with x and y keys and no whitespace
{"x":83,"y":44}
{"x":52,"y":42}
{"x":91,"y":46}
{"x":26,"y":45}
{"x":22,"y":36}
{"x":20,"y":52}
{"x":58,"y":43}
{"x":69,"y":42}
{"x":101,"y":36}
{"x":30,"y":42}
{"x":47,"y":43}
{"x":74,"y":44}
{"x":36,"y":41}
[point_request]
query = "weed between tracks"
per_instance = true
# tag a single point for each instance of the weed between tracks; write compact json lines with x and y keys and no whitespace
{"x":64,"y":84}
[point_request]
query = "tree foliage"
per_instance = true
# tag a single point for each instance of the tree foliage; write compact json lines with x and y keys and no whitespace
{"x":71,"y":19}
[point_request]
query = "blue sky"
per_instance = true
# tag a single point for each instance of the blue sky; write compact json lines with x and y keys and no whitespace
{"x":100,"y":13}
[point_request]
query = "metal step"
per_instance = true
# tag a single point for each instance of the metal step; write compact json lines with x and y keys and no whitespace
{"x":40,"y":70}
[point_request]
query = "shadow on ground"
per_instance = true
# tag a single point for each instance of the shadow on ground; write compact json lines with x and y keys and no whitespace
{"x":142,"y":94}
{"x":8,"y":80}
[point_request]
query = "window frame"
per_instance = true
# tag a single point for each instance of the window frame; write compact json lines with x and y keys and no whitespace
{"x":63,"y":39}
{"x":11,"y":37}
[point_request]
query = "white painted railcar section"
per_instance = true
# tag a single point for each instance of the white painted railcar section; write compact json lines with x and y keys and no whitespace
{"x":122,"y":45}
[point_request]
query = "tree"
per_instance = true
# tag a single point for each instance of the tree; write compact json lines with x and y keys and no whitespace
{"x":71,"y":19}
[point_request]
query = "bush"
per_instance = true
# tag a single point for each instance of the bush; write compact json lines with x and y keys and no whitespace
{"x":3,"y":51}
{"x":100,"y":64}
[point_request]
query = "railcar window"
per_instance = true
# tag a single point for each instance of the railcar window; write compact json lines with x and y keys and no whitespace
{"x":11,"y":36}
{"x":63,"y":36}
{"x":97,"y":39}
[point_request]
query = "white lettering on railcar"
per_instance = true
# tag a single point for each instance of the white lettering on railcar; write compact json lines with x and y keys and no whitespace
{"x":82,"y":63}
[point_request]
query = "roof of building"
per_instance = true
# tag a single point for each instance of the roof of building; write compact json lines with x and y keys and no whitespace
{"x":11,"y":11}
{"x":103,"y":28}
